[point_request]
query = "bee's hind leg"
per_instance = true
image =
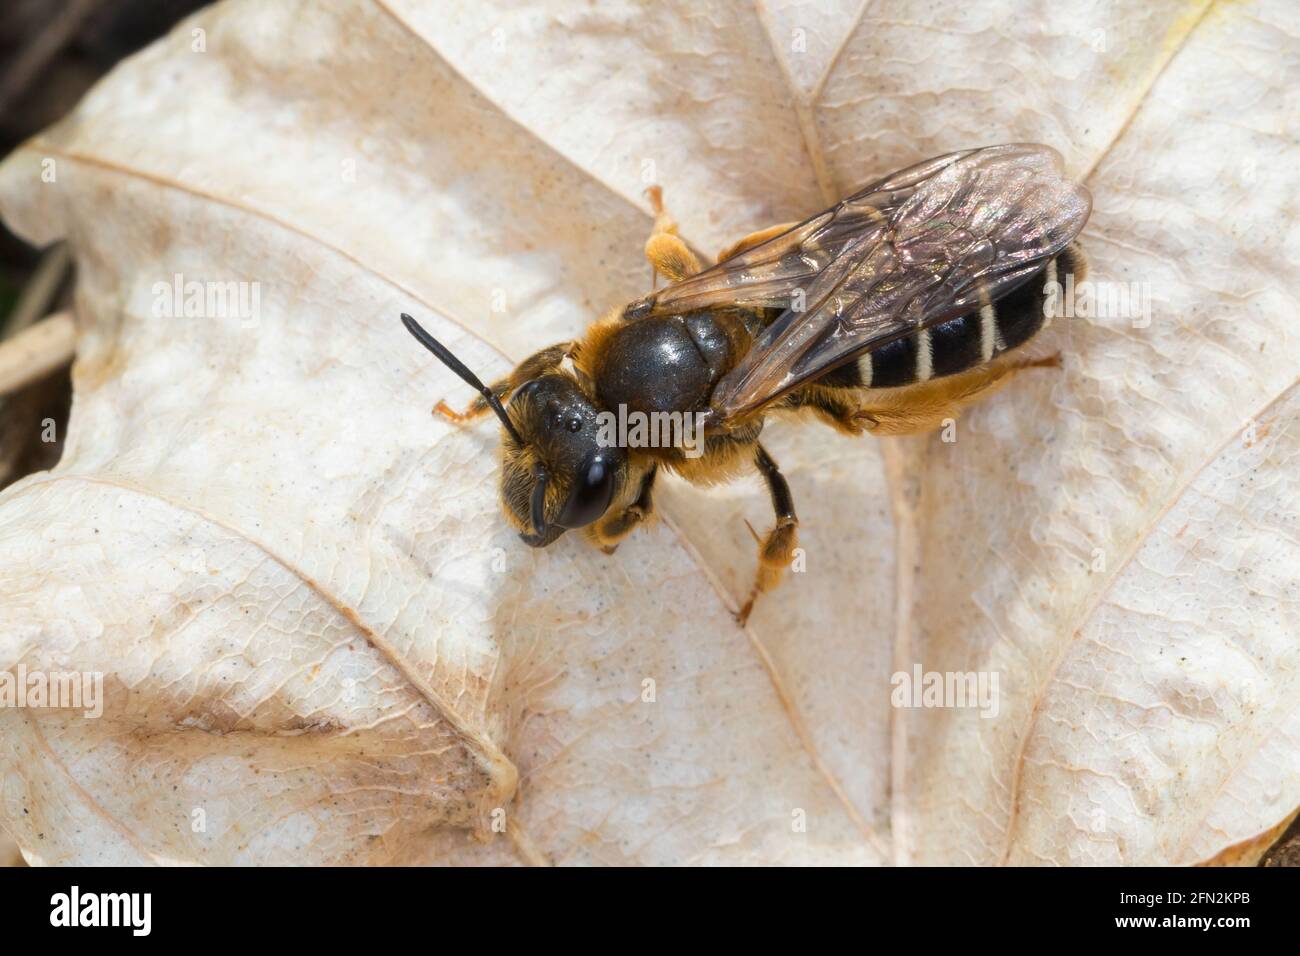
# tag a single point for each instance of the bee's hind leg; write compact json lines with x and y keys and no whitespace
{"x":668,"y":254}
{"x":776,"y":549}
{"x":611,"y":529}
{"x":928,"y":406}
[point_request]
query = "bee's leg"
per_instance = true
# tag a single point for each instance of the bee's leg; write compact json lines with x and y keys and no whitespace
{"x":927,"y":406}
{"x":536,"y":364}
{"x":668,"y":254}
{"x":613,"y":528}
{"x":475,"y":408}
{"x":776,"y":549}
{"x":836,"y":407}
{"x":754,"y":238}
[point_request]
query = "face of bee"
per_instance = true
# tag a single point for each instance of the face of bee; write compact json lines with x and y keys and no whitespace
{"x":560,"y":477}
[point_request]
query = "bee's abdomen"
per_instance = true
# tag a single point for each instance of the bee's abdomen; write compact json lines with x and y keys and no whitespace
{"x":965,"y":342}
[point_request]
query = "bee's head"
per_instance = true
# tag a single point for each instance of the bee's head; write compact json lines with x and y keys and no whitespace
{"x":555,"y":473}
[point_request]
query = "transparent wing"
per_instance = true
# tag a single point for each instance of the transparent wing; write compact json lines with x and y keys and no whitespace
{"x":919,"y":247}
{"x":768,"y":275}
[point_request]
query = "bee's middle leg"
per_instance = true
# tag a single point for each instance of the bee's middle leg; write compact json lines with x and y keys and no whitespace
{"x":754,"y":239}
{"x":611,"y":529}
{"x":776,"y":549}
{"x":668,"y":254}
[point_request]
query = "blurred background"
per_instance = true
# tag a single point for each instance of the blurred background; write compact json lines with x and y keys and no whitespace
{"x":51,"y":53}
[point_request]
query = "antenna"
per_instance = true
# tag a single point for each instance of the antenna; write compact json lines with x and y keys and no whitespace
{"x":444,"y":356}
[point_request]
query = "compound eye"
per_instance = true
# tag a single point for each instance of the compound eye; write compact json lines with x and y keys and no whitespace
{"x":592,"y":493}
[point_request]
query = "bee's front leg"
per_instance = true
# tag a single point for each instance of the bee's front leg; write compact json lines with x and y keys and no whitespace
{"x":617,"y":525}
{"x":475,"y":408}
{"x":536,"y":364}
{"x":776,"y":549}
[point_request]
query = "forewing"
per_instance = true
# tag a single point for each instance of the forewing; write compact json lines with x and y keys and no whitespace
{"x":947,"y":236}
{"x":774,"y":273}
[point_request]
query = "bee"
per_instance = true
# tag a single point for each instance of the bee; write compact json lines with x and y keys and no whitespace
{"x":886,"y":314}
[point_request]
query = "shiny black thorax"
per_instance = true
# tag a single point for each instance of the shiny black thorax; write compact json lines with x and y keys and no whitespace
{"x":670,"y":363}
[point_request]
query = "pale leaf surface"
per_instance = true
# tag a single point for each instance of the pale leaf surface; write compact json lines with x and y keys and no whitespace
{"x":316,"y":628}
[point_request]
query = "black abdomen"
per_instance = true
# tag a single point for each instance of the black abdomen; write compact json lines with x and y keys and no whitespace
{"x":965,"y":342}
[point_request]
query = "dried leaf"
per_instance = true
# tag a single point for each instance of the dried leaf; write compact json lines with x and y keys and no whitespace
{"x":322,"y":643}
